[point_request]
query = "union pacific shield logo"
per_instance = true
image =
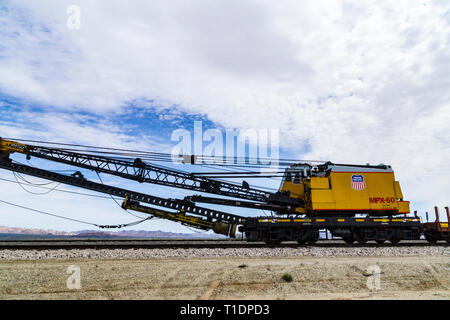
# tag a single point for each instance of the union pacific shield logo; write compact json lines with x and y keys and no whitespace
{"x":358,"y":182}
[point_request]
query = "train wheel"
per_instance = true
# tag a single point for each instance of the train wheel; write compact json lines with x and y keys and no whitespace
{"x":313,"y":236}
{"x":380,"y":241}
{"x":303,"y":237}
{"x":273,"y":242}
{"x":430,"y":238}
{"x":349,"y":239}
{"x":447,"y":239}
{"x":396,"y":236}
{"x":270,"y":241}
{"x":359,"y":236}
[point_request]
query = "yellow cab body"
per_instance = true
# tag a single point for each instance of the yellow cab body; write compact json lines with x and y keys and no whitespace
{"x":345,"y":189}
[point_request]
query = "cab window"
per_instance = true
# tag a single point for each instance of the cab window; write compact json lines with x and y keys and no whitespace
{"x":297,"y":179}
{"x":288,"y":177}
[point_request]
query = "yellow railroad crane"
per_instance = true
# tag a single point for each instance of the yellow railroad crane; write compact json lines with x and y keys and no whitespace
{"x":355,"y":202}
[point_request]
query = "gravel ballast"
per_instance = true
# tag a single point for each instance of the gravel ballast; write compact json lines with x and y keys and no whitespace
{"x":10,"y":254}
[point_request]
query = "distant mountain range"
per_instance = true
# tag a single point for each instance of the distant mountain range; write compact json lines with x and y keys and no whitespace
{"x":23,"y":233}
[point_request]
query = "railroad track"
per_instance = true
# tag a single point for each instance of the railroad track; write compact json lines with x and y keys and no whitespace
{"x":183,"y":243}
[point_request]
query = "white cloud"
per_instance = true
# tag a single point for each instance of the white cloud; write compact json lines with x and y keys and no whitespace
{"x":358,"y":81}
{"x":78,"y":128}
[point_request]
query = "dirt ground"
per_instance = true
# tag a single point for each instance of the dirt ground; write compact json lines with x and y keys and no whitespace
{"x":424,"y":277}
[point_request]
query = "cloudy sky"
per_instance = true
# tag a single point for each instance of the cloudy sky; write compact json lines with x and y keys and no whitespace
{"x":346,"y":81}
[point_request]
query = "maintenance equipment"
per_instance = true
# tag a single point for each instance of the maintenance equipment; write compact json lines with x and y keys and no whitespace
{"x":437,"y":230}
{"x":355,"y":202}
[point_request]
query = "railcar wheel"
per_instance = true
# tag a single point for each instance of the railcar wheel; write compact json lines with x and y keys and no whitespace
{"x":359,"y":237}
{"x":303,"y":237}
{"x":380,"y":241}
{"x":447,"y":239}
{"x":272,"y":242}
{"x":396,"y":236}
{"x":313,"y":237}
{"x":350,"y":239}
{"x":430,"y":238}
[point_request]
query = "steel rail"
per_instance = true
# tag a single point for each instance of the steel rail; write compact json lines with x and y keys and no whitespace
{"x":47,"y":244}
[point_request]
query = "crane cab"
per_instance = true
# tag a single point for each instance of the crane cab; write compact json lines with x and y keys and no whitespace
{"x":335,"y":189}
